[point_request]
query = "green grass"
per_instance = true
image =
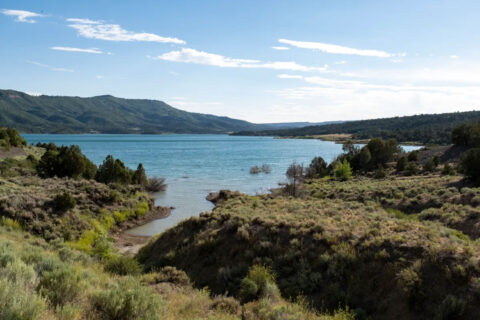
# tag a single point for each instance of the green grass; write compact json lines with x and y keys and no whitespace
{"x":363,"y":243}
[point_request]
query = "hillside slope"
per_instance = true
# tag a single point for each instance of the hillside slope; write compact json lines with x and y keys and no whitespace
{"x":424,"y":128}
{"x":344,"y":243}
{"x":107,"y":114}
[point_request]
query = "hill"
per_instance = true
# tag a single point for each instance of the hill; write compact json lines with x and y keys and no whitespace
{"x":424,"y":128}
{"x":108,"y":114}
{"x":398,"y":248}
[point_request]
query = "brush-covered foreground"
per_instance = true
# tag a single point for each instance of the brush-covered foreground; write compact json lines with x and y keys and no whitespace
{"x":50,"y":280}
{"x":396,"y":248}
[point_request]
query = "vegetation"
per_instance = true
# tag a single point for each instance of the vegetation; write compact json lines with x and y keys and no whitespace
{"x":65,"y":162}
{"x":9,"y":137}
{"x":108,"y":114}
{"x":470,"y":164}
{"x":424,"y":129}
{"x":373,"y":245}
{"x":295,"y":175}
{"x":156,"y":184}
{"x":73,"y":271}
{"x":342,"y":170}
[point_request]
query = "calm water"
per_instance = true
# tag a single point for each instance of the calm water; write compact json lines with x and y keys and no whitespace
{"x":195,"y":165}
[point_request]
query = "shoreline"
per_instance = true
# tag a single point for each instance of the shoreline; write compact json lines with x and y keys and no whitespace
{"x":130,"y":244}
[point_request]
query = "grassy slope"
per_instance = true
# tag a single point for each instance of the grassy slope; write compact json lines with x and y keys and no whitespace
{"x":345,"y":243}
{"x":106,"y":114}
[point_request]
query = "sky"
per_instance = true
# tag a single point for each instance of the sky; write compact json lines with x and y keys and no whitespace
{"x":261,"y":61}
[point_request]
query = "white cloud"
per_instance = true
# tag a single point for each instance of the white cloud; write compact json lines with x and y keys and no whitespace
{"x":88,"y":50}
{"x":337,"y":98}
{"x":336,"y":49}
{"x":289,"y":76}
{"x":280,"y":48}
{"x":99,"y":77}
{"x":453,"y":57}
{"x":341,"y":62}
{"x":22,"y":15}
{"x":43,"y":65}
{"x":188,"y":55}
{"x":113,"y":32}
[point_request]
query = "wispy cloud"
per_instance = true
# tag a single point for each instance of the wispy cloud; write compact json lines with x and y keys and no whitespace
{"x":87,"y":50}
{"x":280,"y":48}
{"x":22,"y":15}
{"x":187,"y":55}
{"x":113,"y":32}
{"x":411,"y":92}
{"x":43,"y":65}
{"x":336,"y":49}
{"x":453,"y":57}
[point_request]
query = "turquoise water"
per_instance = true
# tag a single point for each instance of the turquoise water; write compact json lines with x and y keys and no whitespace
{"x":195,"y":165}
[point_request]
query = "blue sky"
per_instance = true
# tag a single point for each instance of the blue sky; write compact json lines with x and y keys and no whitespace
{"x":262,"y":61}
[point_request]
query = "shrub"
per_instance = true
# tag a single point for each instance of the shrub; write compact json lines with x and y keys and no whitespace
{"x":380,"y":173}
{"x":470,"y":164}
{"x":401,"y":164}
{"x":59,"y":283}
{"x":411,"y":169}
{"x":10,"y":223}
{"x":257,"y":283}
{"x":318,"y":168}
{"x":430,"y":166}
{"x":342,"y":170}
{"x":413,"y":155}
{"x":64,"y":202}
{"x":128,"y":300}
{"x":255,"y":170}
{"x":17,"y":302}
{"x":123,"y":265}
{"x":226,"y":304}
{"x":266,"y":168}
{"x":168,"y":274}
{"x":451,"y":308}
{"x":448,"y":170}
{"x":156,"y":184}
{"x":102,"y":247}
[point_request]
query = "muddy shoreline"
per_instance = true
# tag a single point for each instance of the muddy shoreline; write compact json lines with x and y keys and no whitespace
{"x":130,"y":244}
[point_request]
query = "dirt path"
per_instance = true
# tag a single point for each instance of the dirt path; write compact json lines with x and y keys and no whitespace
{"x":129,"y":244}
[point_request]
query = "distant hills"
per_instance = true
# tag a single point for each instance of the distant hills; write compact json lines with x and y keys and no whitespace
{"x":108,"y":114}
{"x":423,"y":128}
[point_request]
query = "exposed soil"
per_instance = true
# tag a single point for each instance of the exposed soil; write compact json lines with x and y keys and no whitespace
{"x":13,"y":152}
{"x":130,"y":244}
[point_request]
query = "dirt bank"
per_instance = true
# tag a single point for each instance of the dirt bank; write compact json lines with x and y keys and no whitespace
{"x":130,"y":244}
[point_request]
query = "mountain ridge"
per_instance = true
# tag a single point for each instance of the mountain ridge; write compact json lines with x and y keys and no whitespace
{"x":110,"y":114}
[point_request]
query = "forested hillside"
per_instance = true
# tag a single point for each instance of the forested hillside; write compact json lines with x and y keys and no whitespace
{"x":107,"y":114}
{"x":424,"y":128}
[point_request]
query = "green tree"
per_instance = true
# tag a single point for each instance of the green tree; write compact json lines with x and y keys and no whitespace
{"x":139,"y":176}
{"x":470,"y":165}
{"x":113,"y":171}
{"x":318,"y":168}
{"x":295,"y":175}
{"x":401,"y":164}
{"x":342,"y":170}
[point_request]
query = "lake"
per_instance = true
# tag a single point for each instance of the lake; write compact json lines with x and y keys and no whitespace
{"x":195,"y":165}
